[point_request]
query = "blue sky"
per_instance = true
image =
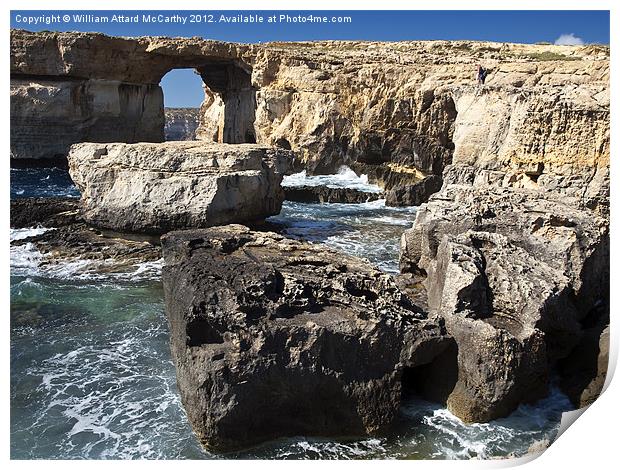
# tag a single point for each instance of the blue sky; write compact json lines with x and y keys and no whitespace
{"x":182,"y":87}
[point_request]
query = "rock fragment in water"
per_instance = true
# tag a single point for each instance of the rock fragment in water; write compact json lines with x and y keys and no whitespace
{"x":413,"y":194}
{"x":275,"y":337}
{"x":330,"y":195}
{"x":154,"y":188}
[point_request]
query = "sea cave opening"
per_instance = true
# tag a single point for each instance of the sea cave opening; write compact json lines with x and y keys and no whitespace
{"x":432,"y":381}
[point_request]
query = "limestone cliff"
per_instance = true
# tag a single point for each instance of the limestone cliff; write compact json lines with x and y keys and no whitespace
{"x":181,"y":123}
{"x":397,"y":111}
{"x":413,"y":107}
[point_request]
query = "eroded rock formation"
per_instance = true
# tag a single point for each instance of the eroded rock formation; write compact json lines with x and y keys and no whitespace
{"x":275,"y":337}
{"x":399,"y":112}
{"x":517,"y":269}
{"x":154,"y":188}
{"x":88,"y":87}
{"x":402,"y":111}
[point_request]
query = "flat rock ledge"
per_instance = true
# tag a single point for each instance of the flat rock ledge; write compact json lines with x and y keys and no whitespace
{"x":44,"y":211}
{"x":155,"y":188}
{"x":273,"y":337}
{"x":69,"y":240}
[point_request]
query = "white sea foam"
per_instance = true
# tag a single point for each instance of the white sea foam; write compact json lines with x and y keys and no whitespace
{"x":27,"y":260}
{"x":114,"y":391}
{"x":21,"y":233}
{"x":454,"y":439}
{"x":345,"y":178}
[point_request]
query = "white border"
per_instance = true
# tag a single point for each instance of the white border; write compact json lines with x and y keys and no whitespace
{"x":591,"y":443}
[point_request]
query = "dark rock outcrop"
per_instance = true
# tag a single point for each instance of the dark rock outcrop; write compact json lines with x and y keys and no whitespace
{"x":99,"y":252}
{"x":327,"y":194}
{"x":275,"y":337}
{"x":413,"y":194}
{"x":45,"y":211}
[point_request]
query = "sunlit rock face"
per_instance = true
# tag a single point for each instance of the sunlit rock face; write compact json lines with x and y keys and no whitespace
{"x":154,"y":188}
{"x":399,"y":112}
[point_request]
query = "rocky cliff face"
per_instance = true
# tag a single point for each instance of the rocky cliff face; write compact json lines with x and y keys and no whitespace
{"x":403,"y":111}
{"x":515,"y":247}
{"x":516,"y":274}
{"x":181,"y":123}
{"x":397,"y":111}
{"x":48,"y":114}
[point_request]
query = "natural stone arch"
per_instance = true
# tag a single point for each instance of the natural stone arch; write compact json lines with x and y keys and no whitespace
{"x":227,"y":112}
{"x":103,"y":89}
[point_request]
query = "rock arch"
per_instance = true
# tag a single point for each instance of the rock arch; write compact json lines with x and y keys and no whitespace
{"x":76,"y":87}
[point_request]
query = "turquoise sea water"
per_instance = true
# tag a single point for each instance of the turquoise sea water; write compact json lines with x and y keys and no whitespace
{"x":92,"y":377}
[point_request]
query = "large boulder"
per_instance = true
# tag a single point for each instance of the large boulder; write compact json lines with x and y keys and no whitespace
{"x":275,"y":337}
{"x":514,"y":273}
{"x":155,"y":188}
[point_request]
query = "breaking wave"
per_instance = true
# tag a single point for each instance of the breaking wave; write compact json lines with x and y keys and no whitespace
{"x":345,"y":178}
{"x":27,"y":260}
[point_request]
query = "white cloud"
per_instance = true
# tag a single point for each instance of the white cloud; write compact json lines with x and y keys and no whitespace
{"x":569,"y":40}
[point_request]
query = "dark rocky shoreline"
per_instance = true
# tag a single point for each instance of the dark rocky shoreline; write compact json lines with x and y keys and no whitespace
{"x":291,"y":307}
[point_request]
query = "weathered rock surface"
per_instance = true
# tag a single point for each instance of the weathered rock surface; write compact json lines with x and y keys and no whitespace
{"x":516,"y":243}
{"x":403,"y":109}
{"x":181,"y":123}
{"x":327,"y":194}
{"x":154,"y":188}
{"x":44,"y":211}
{"x":514,"y":272}
{"x":275,"y":337}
